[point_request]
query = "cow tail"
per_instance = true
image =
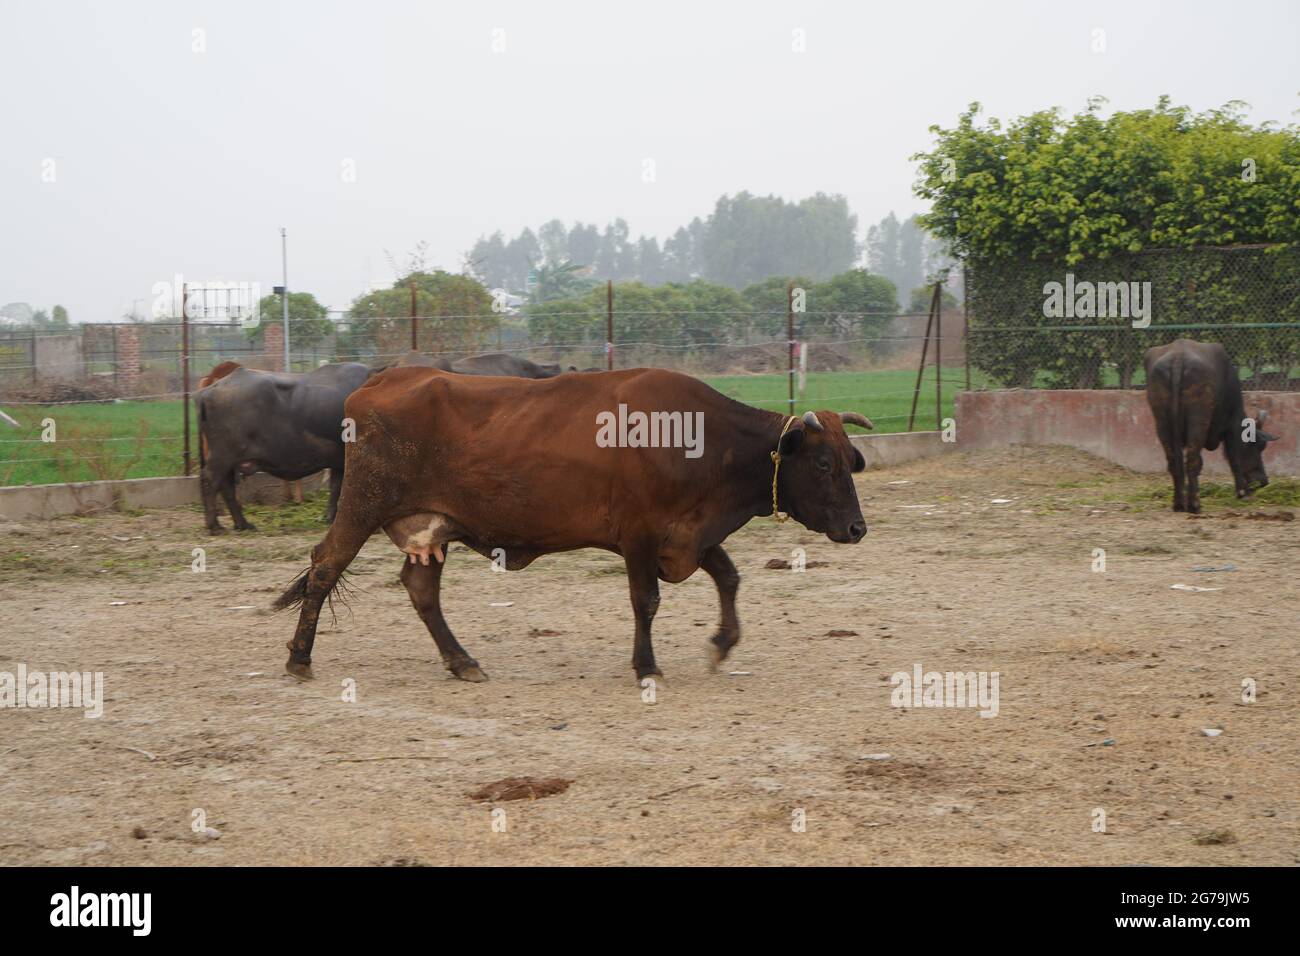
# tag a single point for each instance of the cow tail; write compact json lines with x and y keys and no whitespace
{"x":342,"y":591}
{"x":296,"y":593}
{"x":1176,"y":417}
{"x":203,"y":418}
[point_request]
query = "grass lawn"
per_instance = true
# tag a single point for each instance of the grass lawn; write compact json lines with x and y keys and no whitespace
{"x":143,"y":439}
{"x":92,"y":442}
{"x":883,"y":396}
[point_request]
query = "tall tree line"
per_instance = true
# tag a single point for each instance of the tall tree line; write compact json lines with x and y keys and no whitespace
{"x":745,"y":239}
{"x":905,"y":253}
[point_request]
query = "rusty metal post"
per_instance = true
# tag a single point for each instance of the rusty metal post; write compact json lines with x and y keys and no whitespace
{"x":185,"y":371}
{"x":920,"y":369}
{"x":609,"y":324}
{"x":938,"y":356}
{"x":965,"y":320}
{"x":789,"y":333}
{"x":415,"y":335}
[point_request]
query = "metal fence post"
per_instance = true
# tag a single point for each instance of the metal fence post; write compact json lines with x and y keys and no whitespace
{"x":789,"y":330}
{"x":938,"y":356}
{"x":965,"y":319}
{"x":415,"y":334}
{"x":609,"y":324}
{"x":185,"y":372}
{"x":920,"y":369}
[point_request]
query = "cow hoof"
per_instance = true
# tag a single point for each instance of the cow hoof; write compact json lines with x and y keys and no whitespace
{"x":469,"y":672}
{"x":246,"y":527}
{"x":216,"y":529}
{"x":719,"y":647}
{"x":655,"y":675}
{"x":298,"y":671}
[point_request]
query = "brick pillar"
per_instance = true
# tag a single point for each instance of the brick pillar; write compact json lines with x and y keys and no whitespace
{"x":273,"y":346}
{"x":127,"y":347}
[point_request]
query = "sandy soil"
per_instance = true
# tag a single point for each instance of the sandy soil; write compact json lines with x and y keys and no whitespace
{"x":199,"y":716}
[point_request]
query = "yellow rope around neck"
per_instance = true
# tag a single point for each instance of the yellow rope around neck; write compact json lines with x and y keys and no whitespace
{"x":776,"y":469}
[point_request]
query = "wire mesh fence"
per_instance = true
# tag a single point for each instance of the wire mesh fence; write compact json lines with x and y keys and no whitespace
{"x":118,"y":405}
{"x":1087,"y":325}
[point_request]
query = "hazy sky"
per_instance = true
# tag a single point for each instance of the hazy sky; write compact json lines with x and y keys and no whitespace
{"x":169,"y":159}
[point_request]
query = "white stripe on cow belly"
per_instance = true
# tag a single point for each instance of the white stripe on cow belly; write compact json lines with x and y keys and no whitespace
{"x":421,"y":535}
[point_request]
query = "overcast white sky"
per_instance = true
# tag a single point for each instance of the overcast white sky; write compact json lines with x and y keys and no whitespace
{"x":169,"y":160}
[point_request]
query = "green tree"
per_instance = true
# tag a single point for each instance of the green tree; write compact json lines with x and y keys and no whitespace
{"x":454,"y":315}
{"x":309,"y":321}
{"x":1091,"y":194}
{"x":560,"y":280}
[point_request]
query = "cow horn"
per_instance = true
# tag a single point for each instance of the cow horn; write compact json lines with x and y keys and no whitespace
{"x":856,"y":418}
{"x":810,"y":419}
{"x":1265,"y":437}
{"x":1263,"y":414}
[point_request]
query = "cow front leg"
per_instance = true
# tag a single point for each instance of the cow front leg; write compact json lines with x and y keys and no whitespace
{"x":336,"y":484}
{"x":718,"y":564}
{"x":424,"y":585}
{"x":1193,"y":471}
{"x":643,"y":582}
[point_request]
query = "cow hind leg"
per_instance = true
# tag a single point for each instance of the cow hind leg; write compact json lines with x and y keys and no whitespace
{"x":719,"y":567}
{"x":231,"y":498}
{"x":1173,"y":461}
{"x":336,"y":485}
{"x":211,"y":478}
{"x":424,"y":585}
{"x":329,"y":560}
{"x":1193,"y":471}
{"x":643,"y":582}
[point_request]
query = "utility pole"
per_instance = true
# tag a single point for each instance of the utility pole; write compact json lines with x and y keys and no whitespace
{"x":284,"y":296}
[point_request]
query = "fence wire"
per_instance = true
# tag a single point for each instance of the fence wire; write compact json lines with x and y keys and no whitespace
{"x":1087,"y":325}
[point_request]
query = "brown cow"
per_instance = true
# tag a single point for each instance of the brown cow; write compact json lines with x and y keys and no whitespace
{"x":292,"y":489}
{"x":652,"y":465}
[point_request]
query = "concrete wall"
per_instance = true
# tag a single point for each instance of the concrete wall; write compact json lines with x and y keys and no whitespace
{"x":882,"y":451}
{"x":59,"y":358}
{"x":89,"y":497}
{"x":1112,"y":424}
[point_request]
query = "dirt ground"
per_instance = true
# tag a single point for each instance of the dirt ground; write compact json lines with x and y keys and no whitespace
{"x":1107,"y":683}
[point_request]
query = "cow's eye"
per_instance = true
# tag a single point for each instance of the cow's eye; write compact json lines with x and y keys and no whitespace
{"x":823,"y":464}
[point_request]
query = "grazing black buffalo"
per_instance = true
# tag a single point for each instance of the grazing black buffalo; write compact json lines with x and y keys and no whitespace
{"x":1195,"y":398}
{"x":287,"y":425}
{"x":490,"y":363}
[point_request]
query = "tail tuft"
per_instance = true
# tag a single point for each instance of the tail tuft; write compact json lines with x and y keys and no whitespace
{"x":295,"y":595}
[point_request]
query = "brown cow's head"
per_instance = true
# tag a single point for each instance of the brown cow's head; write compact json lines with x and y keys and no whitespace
{"x":816,"y":476}
{"x":1248,"y":470}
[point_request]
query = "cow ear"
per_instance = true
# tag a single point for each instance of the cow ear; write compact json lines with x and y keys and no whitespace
{"x":791,"y":442}
{"x":859,"y":463}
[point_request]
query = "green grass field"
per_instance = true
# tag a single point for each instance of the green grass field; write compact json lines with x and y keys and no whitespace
{"x":883,"y":396}
{"x":143,"y":439}
{"x":92,"y":442}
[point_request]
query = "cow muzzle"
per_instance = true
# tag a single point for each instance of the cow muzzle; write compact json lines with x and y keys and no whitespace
{"x":855,"y":532}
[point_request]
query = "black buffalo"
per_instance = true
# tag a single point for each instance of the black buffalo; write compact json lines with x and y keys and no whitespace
{"x":489,"y":363}
{"x":1195,"y":398}
{"x":287,"y":425}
